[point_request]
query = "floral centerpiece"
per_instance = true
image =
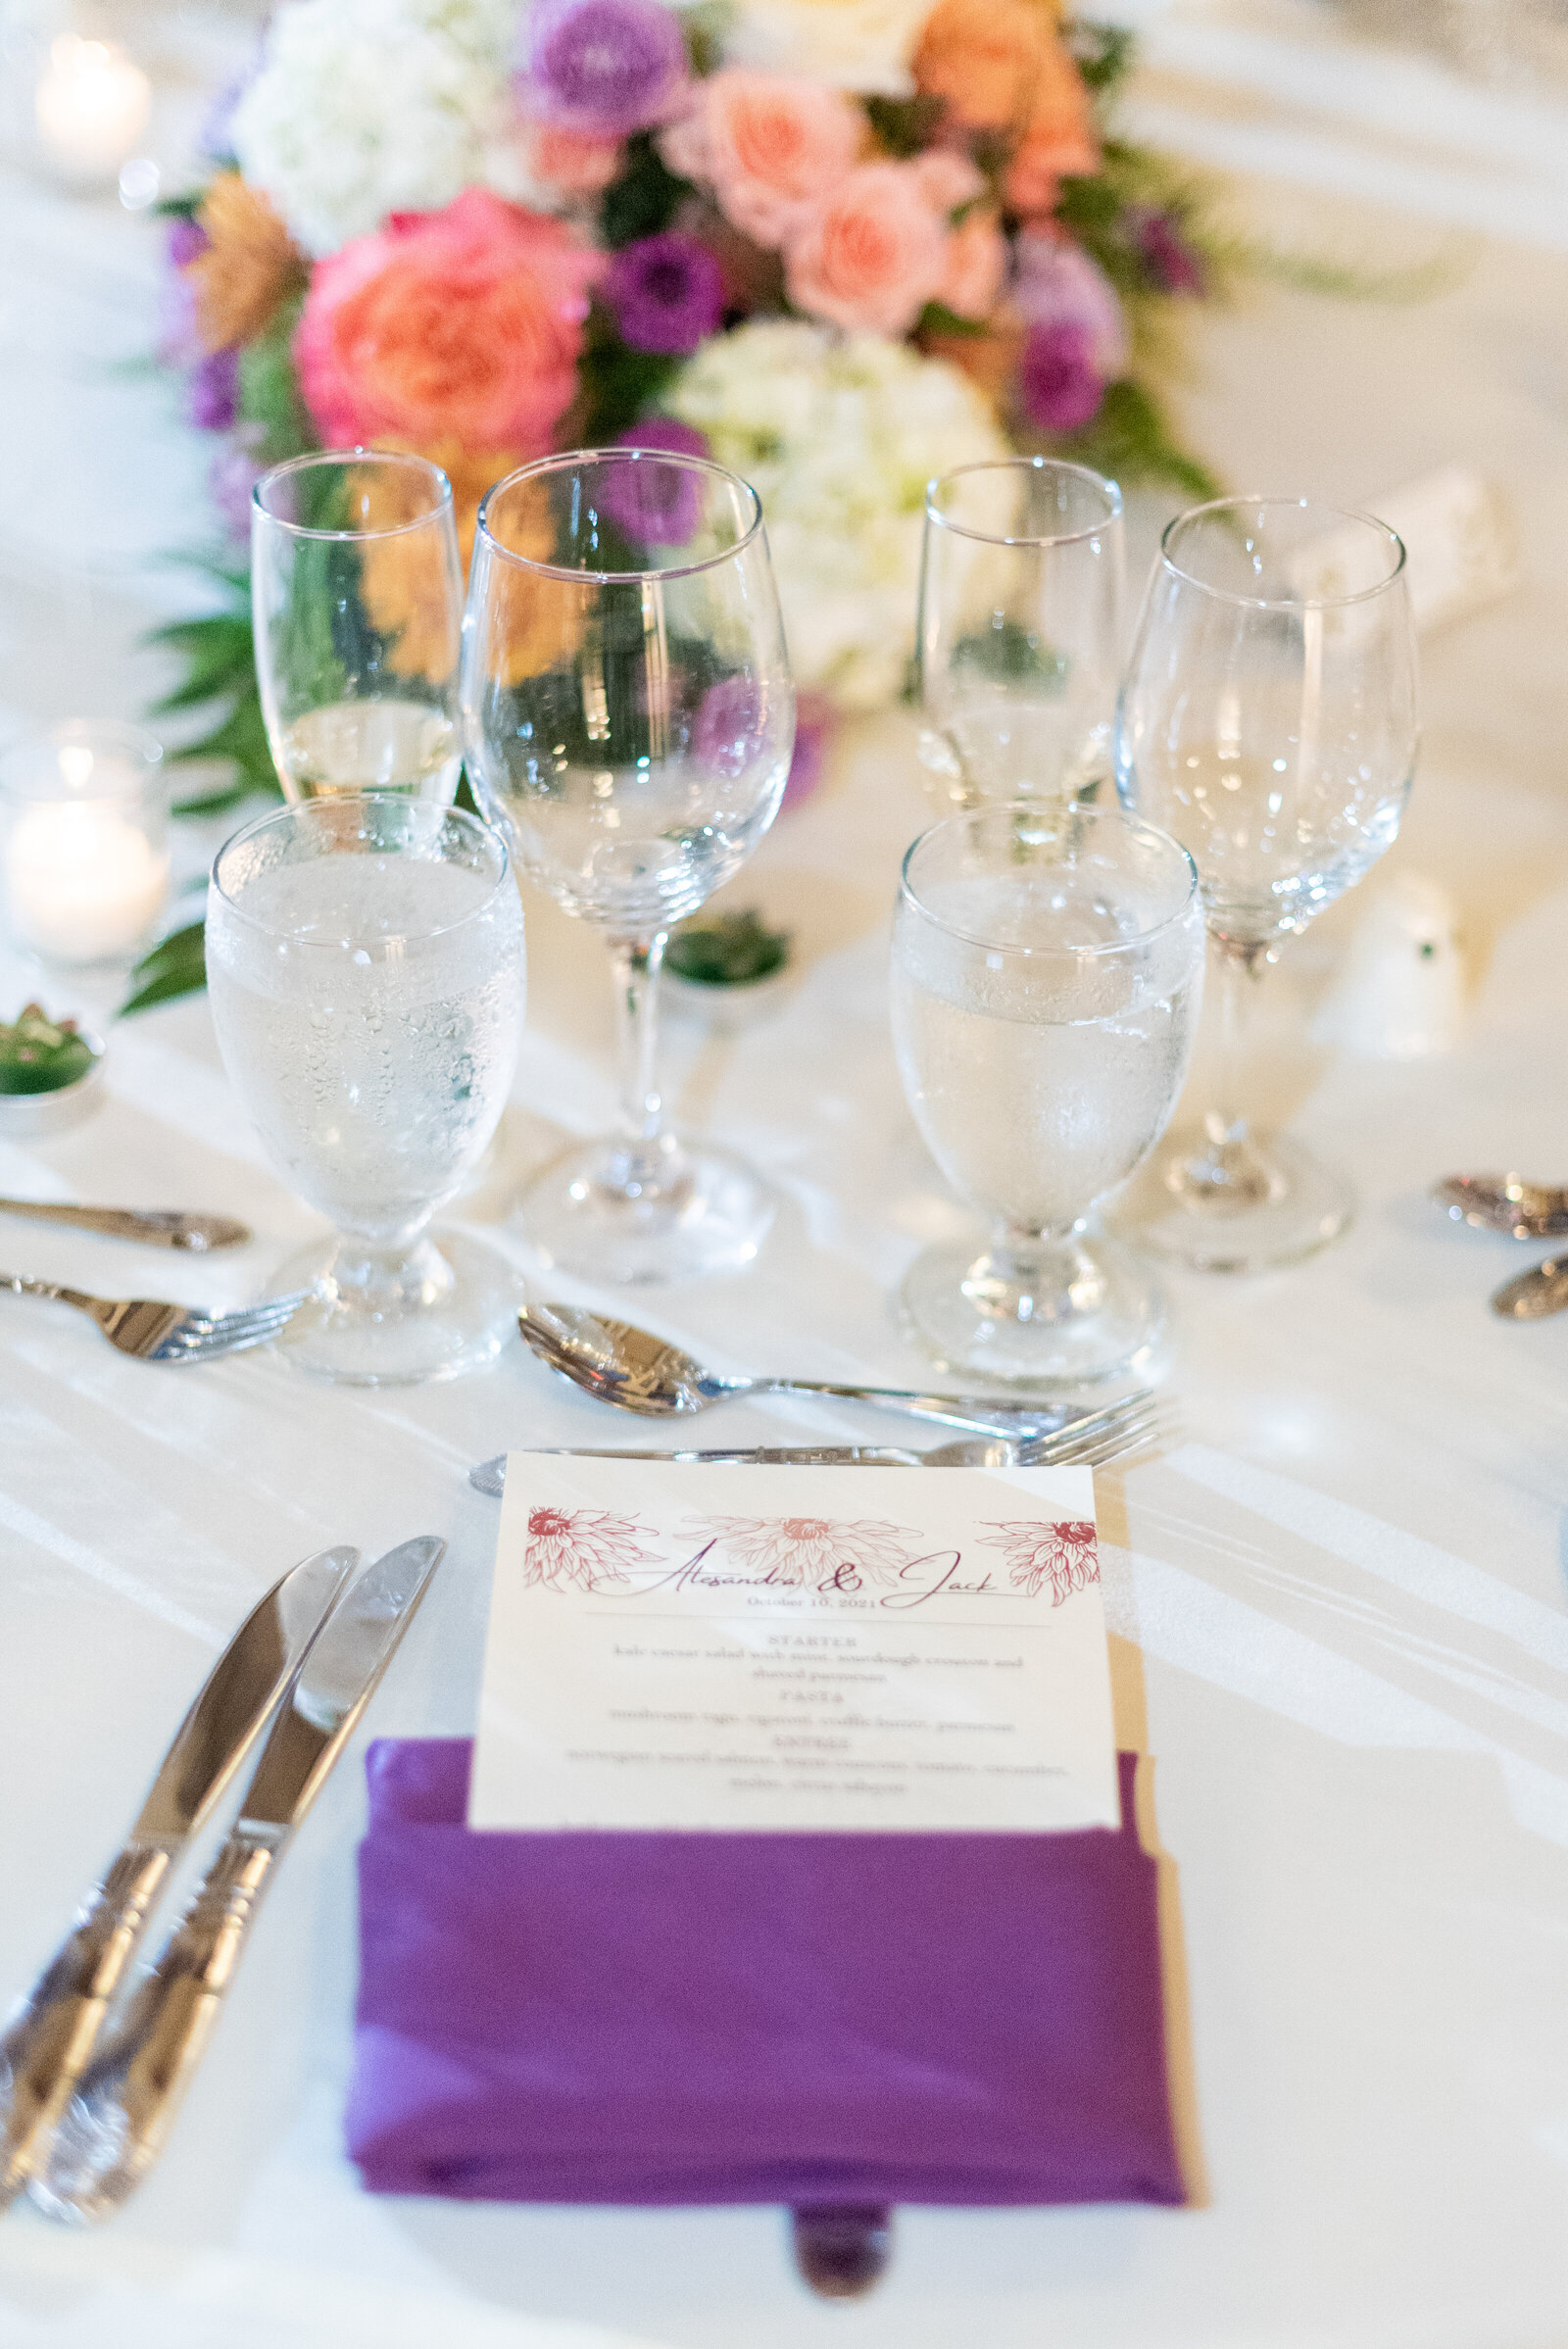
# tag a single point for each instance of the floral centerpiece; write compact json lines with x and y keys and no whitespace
{"x":841,"y":245}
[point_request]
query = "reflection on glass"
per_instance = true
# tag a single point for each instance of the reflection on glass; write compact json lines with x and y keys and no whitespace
{"x":629,"y":717}
{"x":1268,"y":721}
{"x":1020,"y":595}
{"x":357,"y":597}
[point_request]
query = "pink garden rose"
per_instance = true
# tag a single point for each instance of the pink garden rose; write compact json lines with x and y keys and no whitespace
{"x":580,"y":163}
{"x":462,"y":323}
{"x":873,"y":255}
{"x":769,"y":145}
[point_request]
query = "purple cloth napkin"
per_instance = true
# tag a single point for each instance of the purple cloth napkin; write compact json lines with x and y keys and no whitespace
{"x":685,"y":2018}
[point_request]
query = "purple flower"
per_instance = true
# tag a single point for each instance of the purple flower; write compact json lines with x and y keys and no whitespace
{"x":728,"y":732}
{"x":214,"y":391}
{"x":1171,"y":263}
{"x":814,"y":720}
{"x":1058,"y":383}
{"x":652,"y":500}
{"x":1057,"y":284}
{"x":608,"y":66}
{"x":667,"y":292}
{"x":231,"y":478}
{"x":187,"y":238}
{"x":664,"y":432}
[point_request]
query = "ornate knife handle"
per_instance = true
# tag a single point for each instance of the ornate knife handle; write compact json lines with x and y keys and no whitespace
{"x":159,"y":1227}
{"x":118,"y":2121}
{"x":50,"y":2036}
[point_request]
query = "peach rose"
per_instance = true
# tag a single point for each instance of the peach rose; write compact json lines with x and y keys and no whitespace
{"x":465,"y":322}
{"x":873,"y":256}
{"x":1059,"y":142}
{"x":983,"y":57}
{"x":950,"y":180}
{"x":580,"y":163}
{"x":975,"y":265}
{"x":769,"y":145}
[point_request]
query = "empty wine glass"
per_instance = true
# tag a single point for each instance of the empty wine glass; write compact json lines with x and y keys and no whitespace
{"x":356,"y":604}
{"x":365,"y":971}
{"x":1020,"y":601}
{"x":1048,"y":964}
{"x":628,"y":715}
{"x":1268,"y":721}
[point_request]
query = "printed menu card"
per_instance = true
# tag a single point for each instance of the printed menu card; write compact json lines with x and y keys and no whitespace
{"x":842,"y":1649}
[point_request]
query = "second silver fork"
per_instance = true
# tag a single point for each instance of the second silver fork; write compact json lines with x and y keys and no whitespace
{"x":1092,"y":1440}
{"x":155,"y":1331}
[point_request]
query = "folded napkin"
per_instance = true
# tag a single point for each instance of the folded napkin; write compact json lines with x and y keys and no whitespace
{"x":685,"y":2018}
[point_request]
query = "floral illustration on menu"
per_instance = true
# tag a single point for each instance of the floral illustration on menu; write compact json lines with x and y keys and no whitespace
{"x":1062,"y":1553}
{"x":811,"y":1550}
{"x":588,"y":1547}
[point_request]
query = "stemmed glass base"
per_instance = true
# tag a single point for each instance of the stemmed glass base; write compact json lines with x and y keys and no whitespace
{"x":400,"y":1316}
{"x":1060,"y":1314}
{"x":1243,"y":1205}
{"x":658,"y":1211}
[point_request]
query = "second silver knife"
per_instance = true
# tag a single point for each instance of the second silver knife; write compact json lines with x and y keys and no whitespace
{"x":118,"y":2121}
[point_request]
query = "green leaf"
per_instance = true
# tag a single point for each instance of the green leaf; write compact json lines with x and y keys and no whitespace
{"x":269,"y":392}
{"x":705,"y":28}
{"x":643,"y":199}
{"x":1128,"y":439}
{"x":1103,"y":54}
{"x":177,"y":966}
{"x":903,"y":125}
{"x":618,"y":383}
{"x":938,"y":318}
{"x":727,"y":950}
{"x":241,"y":736}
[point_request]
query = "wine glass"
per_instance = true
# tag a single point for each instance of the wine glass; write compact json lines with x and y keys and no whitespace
{"x":628,"y":715}
{"x":1048,"y":964}
{"x":1268,"y":721}
{"x":356,"y":607}
{"x":1020,"y":601}
{"x":366,"y":973}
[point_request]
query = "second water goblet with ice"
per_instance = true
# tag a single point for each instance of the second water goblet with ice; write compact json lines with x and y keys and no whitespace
{"x":365,"y":964}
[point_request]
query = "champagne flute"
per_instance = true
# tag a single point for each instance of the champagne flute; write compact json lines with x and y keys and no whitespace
{"x":628,"y":717}
{"x":1048,"y":964}
{"x":1267,"y":719}
{"x":1019,"y":630}
{"x":357,"y":604}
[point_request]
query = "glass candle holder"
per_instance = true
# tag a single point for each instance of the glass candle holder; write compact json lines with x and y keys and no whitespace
{"x":83,"y":845}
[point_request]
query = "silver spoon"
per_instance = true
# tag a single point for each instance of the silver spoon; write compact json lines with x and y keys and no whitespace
{"x":1534,"y":1294}
{"x":1505,"y":1202}
{"x":631,"y":1367}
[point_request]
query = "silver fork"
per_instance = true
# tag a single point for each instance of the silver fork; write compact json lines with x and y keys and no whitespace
{"x":160,"y":1333}
{"x":1092,"y":1440}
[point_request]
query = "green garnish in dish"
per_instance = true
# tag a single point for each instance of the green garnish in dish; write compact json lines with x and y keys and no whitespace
{"x":40,"y":1055}
{"x":727,"y":950}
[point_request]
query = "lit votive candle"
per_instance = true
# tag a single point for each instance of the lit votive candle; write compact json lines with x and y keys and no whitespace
{"x":91,"y":106}
{"x":85,"y":858}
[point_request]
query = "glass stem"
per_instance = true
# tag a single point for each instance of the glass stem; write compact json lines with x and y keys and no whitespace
{"x":636,"y":962}
{"x":1231,"y":1162}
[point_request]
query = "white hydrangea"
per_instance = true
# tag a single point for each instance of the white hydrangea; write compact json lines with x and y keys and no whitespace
{"x":839,"y":437}
{"x":366,"y":107}
{"x":862,"y":45}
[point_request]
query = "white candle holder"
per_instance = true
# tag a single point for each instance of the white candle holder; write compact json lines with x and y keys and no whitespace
{"x":83,"y":850}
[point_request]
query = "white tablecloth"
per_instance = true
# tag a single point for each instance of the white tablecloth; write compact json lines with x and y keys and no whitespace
{"x":1337,"y":1599}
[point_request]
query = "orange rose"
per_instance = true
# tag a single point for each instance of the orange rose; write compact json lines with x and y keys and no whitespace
{"x":975,"y":267}
{"x":1060,"y":141}
{"x":984,"y":58}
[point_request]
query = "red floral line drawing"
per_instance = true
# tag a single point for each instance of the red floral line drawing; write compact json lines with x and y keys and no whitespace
{"x":1064,"y":1552}
{"x":809,"y":1549}
{"x":589,"y":1547}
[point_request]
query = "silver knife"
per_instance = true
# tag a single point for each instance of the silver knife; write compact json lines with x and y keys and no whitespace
{"x":119,"y":2119}
{"x":490,"y":1476}
{"x":50,"y":2034}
